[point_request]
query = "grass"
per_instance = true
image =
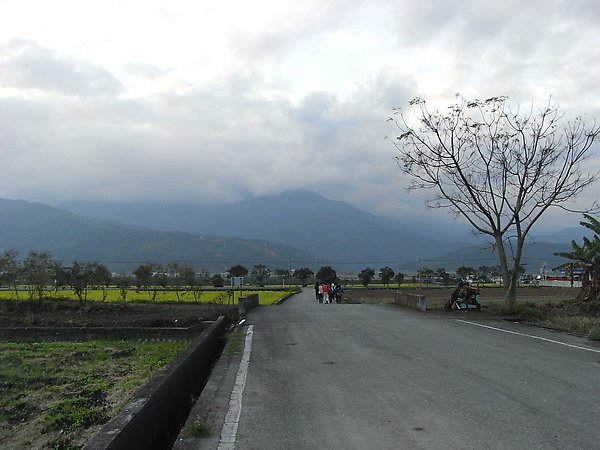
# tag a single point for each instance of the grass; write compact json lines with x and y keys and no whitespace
{"x":200,"y":428}
{"x":57,"y":394}
{"x":234,"y":344}
{"x":266,"y":297}
{"x":551,"y":307}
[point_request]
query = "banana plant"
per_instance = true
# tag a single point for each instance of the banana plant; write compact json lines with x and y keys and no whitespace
{"x":586,"y":256}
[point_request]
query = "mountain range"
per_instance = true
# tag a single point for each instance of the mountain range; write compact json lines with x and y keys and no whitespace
{"x":332,"y":230}
{"x":300,"y":228}
{"x":28,"y":227}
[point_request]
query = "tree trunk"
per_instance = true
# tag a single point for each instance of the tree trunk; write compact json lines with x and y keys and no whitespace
{"x":510,"y":287}
{"x":590,"y":286}
{"x":510,"y":292}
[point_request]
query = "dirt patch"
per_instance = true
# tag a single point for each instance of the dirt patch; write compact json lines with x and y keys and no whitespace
{"x":69,"y":313}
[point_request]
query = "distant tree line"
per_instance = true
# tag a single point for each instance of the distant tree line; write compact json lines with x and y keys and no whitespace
{"x":40,"y":273}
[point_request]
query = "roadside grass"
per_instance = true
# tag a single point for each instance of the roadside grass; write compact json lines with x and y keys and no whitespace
{"x":200,"y":428}
{"x":224,"y":296}
{"x":551,"y":307}
{"x":584,"y":326}
{"x":234,"y":344}
{"x":57,"y":394}
{"x":552,"y":315}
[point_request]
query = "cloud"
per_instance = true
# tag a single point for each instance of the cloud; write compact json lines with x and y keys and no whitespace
{"x":27,"y":65}
{"x":213,"y":103}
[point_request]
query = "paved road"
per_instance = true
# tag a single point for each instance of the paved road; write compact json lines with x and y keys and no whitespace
{"x":379,"y":377}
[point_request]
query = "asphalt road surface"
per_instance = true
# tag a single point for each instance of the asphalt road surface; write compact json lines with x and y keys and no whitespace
{"x":316,"y":376}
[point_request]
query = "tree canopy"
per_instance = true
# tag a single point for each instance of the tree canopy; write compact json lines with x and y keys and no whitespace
{"x":238,"y":271}
{"x":366,"y":276}
{"x":260,"y":273}
{"x":386,"y":274}
{"x":303,"y":274}
{"x":326,"y":275}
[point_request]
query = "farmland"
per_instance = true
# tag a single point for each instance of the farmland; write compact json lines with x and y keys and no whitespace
{"x":57,"y":394}
{"x":159,"y":295}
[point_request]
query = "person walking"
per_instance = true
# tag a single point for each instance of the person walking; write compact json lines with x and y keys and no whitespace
{"x":317,"y":291}
{"x":339,"y":294}
{"x":320,"y":293}
{"x":325,"y":292}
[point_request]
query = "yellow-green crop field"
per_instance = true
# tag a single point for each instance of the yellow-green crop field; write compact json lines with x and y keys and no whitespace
{"x":265,"y":297}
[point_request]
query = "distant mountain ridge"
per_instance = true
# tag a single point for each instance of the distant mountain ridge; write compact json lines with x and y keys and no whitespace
{"x":335,"y":231}
{"x":299,"y":228}
{"x":28,"y":226}
{"x":332,"y":230}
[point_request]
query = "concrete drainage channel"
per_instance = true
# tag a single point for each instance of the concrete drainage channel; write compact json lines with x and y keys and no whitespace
{"x":155,"y":414}
{"x":158,"y":410}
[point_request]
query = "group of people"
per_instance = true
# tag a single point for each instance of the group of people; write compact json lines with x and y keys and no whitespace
{"x":328,"y":293}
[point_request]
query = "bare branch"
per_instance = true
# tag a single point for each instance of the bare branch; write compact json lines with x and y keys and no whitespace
{"x":498,"y":168}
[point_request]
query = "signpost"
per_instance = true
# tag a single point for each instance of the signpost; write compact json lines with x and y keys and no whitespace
{"x":237,"y":282}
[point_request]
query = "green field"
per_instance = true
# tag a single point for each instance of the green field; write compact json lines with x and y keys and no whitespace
{"x":57,"y":394}
{"x":224,"y":296}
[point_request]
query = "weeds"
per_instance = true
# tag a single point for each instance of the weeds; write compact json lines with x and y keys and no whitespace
{"x":583,"y":326}
{"x":200,"y":428}
{"x":234,"y":344}
{"x":527,"y":311}
{"x":56,"y":394}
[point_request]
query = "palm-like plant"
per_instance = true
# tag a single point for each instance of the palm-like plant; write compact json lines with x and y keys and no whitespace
{"x":587,"y":256}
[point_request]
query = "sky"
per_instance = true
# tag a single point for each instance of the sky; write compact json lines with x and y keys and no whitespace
{"x":210,"y":102}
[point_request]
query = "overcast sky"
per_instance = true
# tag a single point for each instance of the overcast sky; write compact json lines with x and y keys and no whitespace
{"x":213,"y":101}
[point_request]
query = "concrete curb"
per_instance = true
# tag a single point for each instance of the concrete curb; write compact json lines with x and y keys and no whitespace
{"x":157,"y":406}
{"x":286,"y":297}
{"x":211,"y":407}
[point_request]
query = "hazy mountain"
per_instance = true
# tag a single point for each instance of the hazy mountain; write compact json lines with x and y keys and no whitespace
{"x":336,"y":231}
{"x":324,"y":230}
{"x":565,"y":235}
{"x":332,"y":230}
{"x":28,"y":226}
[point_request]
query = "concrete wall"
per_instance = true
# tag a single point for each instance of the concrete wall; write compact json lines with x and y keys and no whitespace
{"x":157,"y":406}
{"x":413,"y":301}
{"x":556,"y":283}
{"x":245,"y":304}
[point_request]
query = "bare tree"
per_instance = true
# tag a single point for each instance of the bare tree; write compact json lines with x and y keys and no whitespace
{"x":10,"y":270}
{"x":39,"y":271}
{"x":191,"y":281}
{"x":499,"y":169}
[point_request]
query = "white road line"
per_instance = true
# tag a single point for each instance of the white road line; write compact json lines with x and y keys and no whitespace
{"x":530,"y":336}
{"x":232,"y":418}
